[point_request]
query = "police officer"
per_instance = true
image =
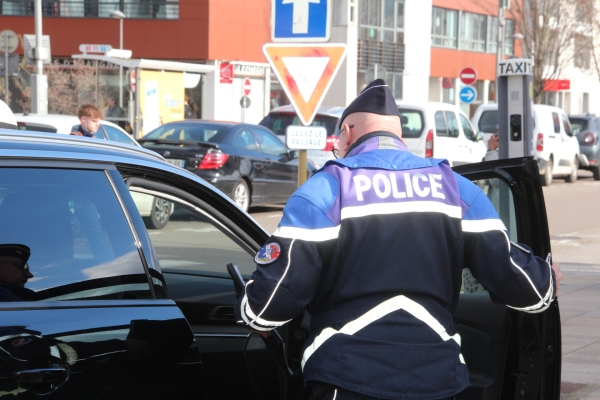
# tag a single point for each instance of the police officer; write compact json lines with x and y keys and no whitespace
{"x":14,"y":273}
{"x":373,"y":246}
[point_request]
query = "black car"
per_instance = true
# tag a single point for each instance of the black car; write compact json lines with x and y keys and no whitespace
{"x":116,"y":312}
{"x":247,"y":162}
{"x":587,"y":129}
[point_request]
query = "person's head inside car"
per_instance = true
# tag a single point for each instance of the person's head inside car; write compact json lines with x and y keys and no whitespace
{"x":14,"y":269}
{"x":89,"y":117}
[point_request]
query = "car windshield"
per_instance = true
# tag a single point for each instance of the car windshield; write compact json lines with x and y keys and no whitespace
{"x":194,"y":131}
{"x":279,"y":122}
{"x":488,"y":122}
{"x":580,"y":124}
{"x":412,"y":123}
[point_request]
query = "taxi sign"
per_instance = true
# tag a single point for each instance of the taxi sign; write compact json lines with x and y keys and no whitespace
{"x":298,"y":137}
{"x":305,"y":71}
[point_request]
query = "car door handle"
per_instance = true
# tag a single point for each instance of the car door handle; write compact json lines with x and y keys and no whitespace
{"x":42,"y":375}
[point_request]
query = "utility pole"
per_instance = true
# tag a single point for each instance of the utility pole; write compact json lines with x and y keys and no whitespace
{"x":502,"y":6}
{"x":39,"y":81}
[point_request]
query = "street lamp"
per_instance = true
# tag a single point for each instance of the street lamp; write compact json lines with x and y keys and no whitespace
{"x":519,"y":36}
{"x":120,"y":16}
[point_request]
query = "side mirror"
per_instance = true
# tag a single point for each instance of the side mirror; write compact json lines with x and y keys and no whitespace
{"x":479,"y":136}
{"x":293,"y":154}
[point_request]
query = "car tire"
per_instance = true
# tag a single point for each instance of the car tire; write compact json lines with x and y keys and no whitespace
{"x":241,"y":194}
{"x":572,"y":177}
{"x":596,"y":173}
{"x":547,"y":176}
{"x":160,"y":214}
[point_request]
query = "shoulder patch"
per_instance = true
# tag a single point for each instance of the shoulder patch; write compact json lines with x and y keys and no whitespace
{"x":268,"y":253}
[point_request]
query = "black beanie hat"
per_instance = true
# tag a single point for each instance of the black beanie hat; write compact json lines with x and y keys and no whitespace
{"x":376,"y":98}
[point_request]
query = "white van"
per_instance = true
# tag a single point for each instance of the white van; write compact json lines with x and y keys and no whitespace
{"x":554,"y":147}
{"x":440,"y":130}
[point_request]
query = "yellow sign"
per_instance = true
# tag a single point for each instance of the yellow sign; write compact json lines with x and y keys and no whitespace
{"x":161,"y":98}
{"x":305,"y":71}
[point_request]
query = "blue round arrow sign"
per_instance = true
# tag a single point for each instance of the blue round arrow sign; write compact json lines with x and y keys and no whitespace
{"x":468,"y":94}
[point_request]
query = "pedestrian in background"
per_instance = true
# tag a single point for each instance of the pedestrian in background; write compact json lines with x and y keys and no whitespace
{"x":373,"y":246}
{"x":89,"y":117}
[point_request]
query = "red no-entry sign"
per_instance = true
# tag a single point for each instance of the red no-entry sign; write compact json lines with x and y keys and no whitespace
{"x":468,"y":75}
{"x":247,"y":87}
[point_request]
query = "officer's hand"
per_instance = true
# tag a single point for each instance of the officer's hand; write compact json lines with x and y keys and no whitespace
{"x":558,"y":276}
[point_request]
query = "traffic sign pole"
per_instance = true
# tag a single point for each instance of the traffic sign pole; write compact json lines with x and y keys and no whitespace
{"x":301,"y":167}
{"x":6,"y":66}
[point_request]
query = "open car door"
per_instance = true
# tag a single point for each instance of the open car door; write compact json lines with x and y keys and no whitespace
{"x":510,"y":354}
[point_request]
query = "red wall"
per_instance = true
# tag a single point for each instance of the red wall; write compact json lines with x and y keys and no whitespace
{"x":206,"y":29}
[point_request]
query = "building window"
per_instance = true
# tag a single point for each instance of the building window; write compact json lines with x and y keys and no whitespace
{"x":473,"y":31}
{"x":444,"y":27}
{"x":492,"y":36}
{"x":144,"y":9}
{"x":382,"y":20}
{"x":381,"y":43}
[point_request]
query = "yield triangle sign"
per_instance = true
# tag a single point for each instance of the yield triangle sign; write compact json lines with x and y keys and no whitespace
{"x":305,"y":72}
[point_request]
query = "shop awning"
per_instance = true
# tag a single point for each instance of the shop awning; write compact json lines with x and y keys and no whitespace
{"x":143,"y":63}
{"x":554,"y":85}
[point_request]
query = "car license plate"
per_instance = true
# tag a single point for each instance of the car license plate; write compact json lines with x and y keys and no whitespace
{"x":179,"y":163}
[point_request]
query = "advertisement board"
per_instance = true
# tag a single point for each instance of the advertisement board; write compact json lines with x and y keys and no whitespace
{"x":161,"y":98}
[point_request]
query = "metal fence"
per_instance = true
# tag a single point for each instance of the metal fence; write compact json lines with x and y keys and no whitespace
{"x":390,"y":55}
{"x":146,"y":9}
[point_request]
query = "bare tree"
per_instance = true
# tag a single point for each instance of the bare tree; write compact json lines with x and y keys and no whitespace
{"x":549,"y":28}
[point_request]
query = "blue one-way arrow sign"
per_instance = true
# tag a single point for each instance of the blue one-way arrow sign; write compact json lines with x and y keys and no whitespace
{"x":468,"y":94}
{"x":300,"y":20}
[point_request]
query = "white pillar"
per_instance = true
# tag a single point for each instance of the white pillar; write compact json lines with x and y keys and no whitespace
{"x":486,"y":91}
{"x":457,"y":91}
{"x":209,"y":91}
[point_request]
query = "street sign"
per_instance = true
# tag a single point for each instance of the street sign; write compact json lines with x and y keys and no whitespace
{"x":306,"y":137}
{"x":226,"y":72}
{"x":8,"y":41}
{"x":468,"y":94}
{"x":468,"y":75}
{"x":247,"y":87}
{"x":94,"y":48}
{"x":245,"y":102}
{"x":13,"y":64}
{"x":515,"y":66}
{"x":305,"y":71}
{"x":29,"y":47}
{"x":300,"y":20}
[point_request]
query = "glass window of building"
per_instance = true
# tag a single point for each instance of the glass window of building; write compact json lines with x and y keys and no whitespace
{"x":444,"y":27}
{"x":473,"y":31}
{"x":492,"y":36}
{"x":381,"y":42}
{"x":163,"y":9}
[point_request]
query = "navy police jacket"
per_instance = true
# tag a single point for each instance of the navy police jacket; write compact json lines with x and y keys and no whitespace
{"x":373,"y":246}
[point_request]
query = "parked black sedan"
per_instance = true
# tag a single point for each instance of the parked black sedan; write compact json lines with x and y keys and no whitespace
{"x":246,"y":162}
{"x":115,"y":312}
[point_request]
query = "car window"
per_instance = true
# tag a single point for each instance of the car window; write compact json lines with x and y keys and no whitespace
{"x":467,"y":127}
{"x":268,"y":143}
{"x":32,"y":126}
{"x":580,"y":124}
{"x":452,"y":124}
{"x":412,"y":122}
{"x":556,"y":121}
{"x":488,"y":121}
{"x":440,"y":124}
{"x":200,"y":132}
{"x":194,"y":242}
{"x":566,"y":125}
{"x":501,"y":197}
{"x":116,"y":135}
{"x":245,"y":140}
{"x":82,"y":246}
{"x":278,"y":122}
